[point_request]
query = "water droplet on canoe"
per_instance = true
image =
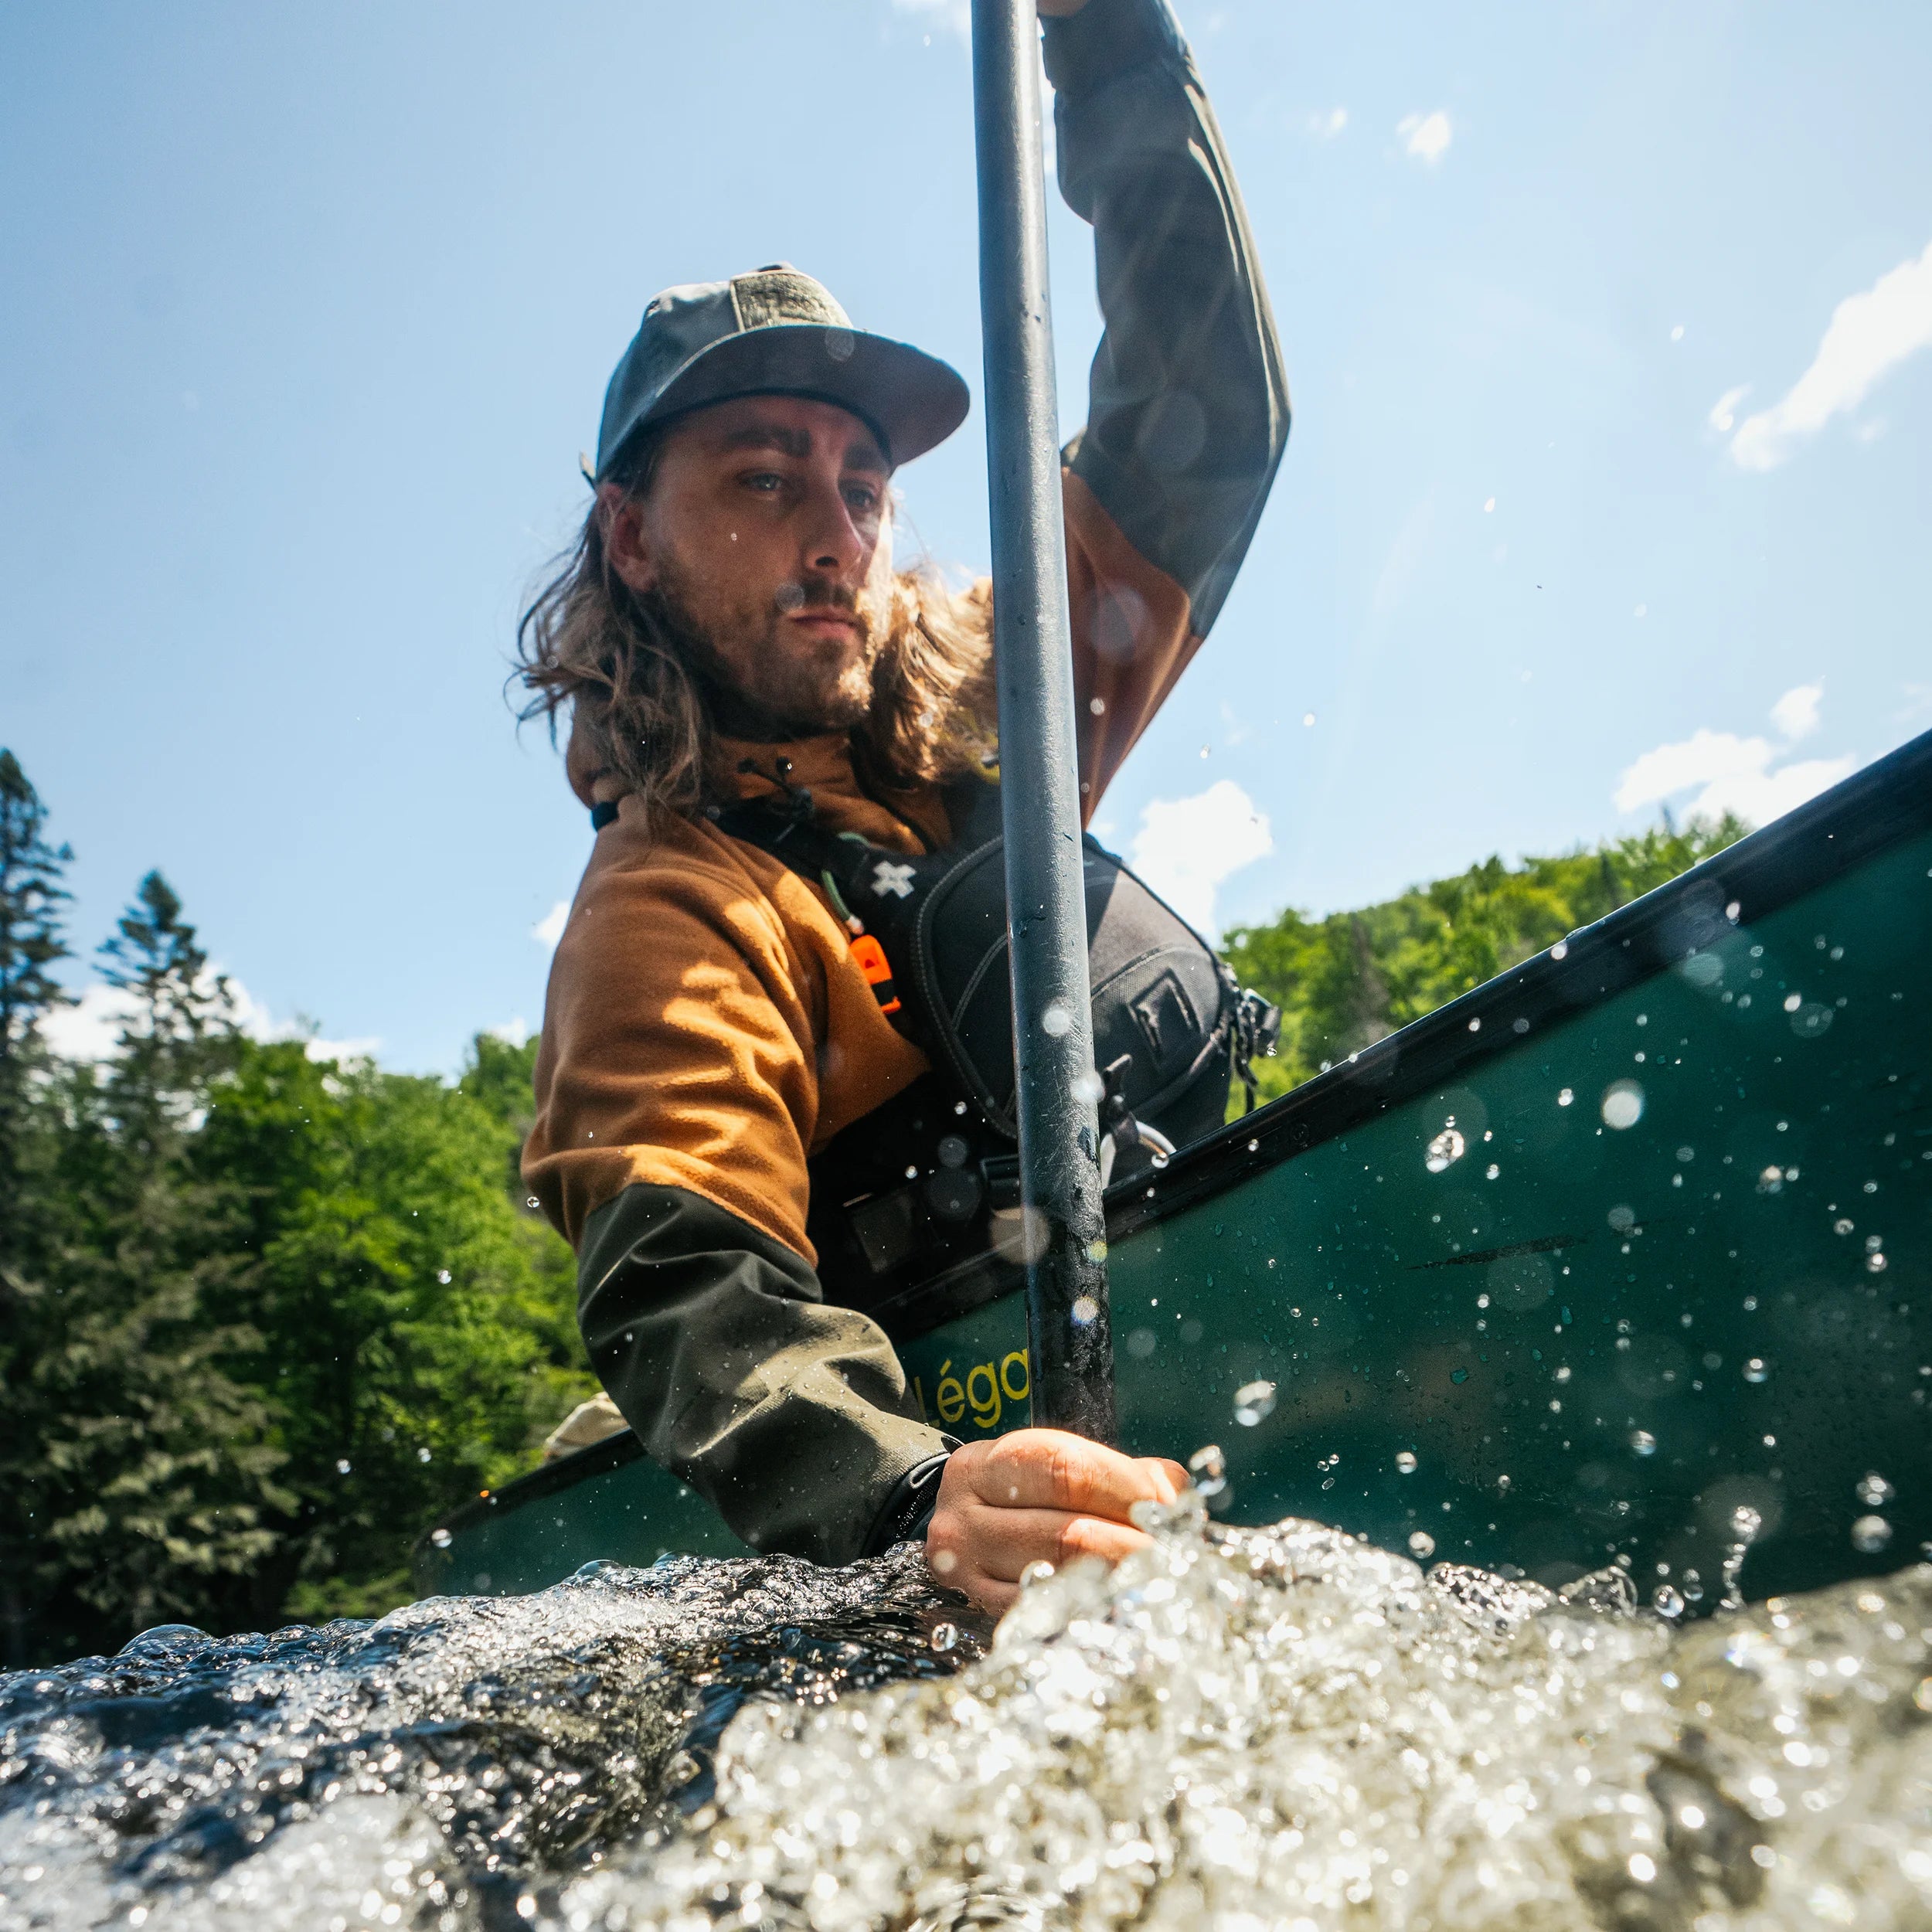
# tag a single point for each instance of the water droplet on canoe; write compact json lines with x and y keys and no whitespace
{"x":1405,"y":1461}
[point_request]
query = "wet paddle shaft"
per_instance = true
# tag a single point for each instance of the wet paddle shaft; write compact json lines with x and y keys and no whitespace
{"x":1072,"y":1339}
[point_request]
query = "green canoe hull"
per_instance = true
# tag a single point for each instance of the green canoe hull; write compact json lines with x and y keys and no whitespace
{"x":1636,"y":1236}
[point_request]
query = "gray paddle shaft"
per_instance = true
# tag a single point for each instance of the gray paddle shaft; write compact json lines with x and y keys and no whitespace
{"x":1071,"y":1337}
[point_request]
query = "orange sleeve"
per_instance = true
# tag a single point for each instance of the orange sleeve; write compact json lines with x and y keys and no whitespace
{"x":678,"y":1046}
{"x":1132,"y":638}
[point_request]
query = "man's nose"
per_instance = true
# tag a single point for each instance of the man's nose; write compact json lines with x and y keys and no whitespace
{"x":835,"y":546}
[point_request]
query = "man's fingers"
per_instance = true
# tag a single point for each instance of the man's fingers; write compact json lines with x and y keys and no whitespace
{"x":1166,"y":1467}
{"x":1004,"y":1542}
{"x":1049,"y":1469}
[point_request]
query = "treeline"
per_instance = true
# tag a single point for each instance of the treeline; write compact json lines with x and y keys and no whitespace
{"x":263,"y":1317}
{"x":1344,"y":981}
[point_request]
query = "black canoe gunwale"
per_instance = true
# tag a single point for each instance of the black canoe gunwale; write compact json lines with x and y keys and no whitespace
{"x":1858,"y":819}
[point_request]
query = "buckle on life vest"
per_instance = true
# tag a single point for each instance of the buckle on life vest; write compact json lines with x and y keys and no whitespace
{"x":871,"y":957}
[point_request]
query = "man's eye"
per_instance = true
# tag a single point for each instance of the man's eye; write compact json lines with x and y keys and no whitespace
{"x":860,"y":497}
{"x":765,"y":480}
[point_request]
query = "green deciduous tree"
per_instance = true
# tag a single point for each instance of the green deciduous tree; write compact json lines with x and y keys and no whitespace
{"x":1350,"y":979}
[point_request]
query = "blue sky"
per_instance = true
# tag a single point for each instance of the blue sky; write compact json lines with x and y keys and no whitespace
{"x":1606,"y":327}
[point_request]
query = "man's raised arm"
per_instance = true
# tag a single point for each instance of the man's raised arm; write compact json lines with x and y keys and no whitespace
{"x":1188,"y":407}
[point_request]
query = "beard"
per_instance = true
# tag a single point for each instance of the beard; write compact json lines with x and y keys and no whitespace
{"x":762,"y":678}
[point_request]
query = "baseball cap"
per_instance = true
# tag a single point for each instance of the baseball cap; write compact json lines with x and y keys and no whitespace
{"x":775,"y":330}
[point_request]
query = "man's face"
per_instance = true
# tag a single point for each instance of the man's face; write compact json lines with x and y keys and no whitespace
{"x":766,"y":531}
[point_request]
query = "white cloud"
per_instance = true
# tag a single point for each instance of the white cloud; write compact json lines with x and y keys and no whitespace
{"x":1795,"y":714}
{"x":513,"y":1032}
{"x":89,"y":1029}
{"x":1740,"y":775}
{"x":1186,"y":847}
{"x":1325,"y":127}
{"x":1426,"y":136}
{"x":1870,"y":334}
{"x":1723,"y":416}
{"x":550,"y":929}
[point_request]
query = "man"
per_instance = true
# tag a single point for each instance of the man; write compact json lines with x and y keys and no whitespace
{"x":733,"y":627}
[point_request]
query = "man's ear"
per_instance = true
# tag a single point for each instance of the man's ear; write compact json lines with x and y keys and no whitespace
{"x":620,"y":524}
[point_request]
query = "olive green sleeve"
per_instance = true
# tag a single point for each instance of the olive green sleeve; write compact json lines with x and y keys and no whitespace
{"x":788,"y":1415}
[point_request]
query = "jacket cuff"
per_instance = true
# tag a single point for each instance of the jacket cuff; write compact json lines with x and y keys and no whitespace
{"x":909,"y":1508}
{"x":1085,"y":50}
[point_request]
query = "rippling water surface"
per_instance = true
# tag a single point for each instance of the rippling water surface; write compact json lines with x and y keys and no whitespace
{"x":1243,"y":1729}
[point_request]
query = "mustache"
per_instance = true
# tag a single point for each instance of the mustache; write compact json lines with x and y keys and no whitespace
{"x":822,"y":593}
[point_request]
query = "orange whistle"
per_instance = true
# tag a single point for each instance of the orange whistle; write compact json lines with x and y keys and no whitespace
{"x":873,"y":963}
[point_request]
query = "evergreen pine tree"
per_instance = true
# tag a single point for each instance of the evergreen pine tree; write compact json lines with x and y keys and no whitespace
{"x":157,"y":1449}
{"x":31,"y":896}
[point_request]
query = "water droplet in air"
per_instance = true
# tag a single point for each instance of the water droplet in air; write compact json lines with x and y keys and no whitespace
{"x":1035,"y":1572}
{"x":1254,"y":1147}
{"x":1253,"y":1400}
{"x":1643,"y":1442}
{"x":1870,"y":1534}
{"x":1159,"y":1159}
{"x":944,"y":1636}
{"x":1085,"y":1309}
{"x":423,"y":1455}
{"x":1560,"y":950}
{"x":531,"y":1201}
{"x":1056,"y":1021}
{"x":1875,"y":1263}
{"x":1623,"y":1104}
{"x":1421,"y":1544}
{"x":1209,"y":1470}
{"x":1444,"y":1151}
{"x":1405,"y":1461}
{"x":342,"y":1465}
{"x":1843,"y":1225}
{"x":1307,"y":717}
{"x":1566,"y":1096}
{"x":1667,"y":1601}
{"x":1089,"y":1087}
{"x":440,"y":1537}
{"x":1874,"y":1490}
{"x":1755,"y":1370}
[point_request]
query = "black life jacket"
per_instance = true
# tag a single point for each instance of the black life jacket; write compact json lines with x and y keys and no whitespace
{"x":932,"y":1176}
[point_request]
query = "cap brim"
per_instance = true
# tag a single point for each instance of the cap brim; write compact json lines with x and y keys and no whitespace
{"x":913,"y":401}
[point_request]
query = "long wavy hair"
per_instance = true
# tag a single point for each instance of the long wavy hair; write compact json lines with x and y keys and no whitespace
{"x":643,"y":712}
